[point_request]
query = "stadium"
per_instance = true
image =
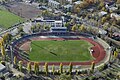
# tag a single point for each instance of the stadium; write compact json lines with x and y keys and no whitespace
{"x":55,"y":48}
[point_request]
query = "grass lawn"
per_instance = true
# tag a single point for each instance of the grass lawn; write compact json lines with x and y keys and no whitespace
{"x":8,"y":19}
{"x":71,"y":50}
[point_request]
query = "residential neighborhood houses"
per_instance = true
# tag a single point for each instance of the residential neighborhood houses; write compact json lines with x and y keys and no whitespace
{"x":59,"y":19}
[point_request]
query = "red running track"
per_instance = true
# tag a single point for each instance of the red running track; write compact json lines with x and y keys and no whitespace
{"x":98,"y":53}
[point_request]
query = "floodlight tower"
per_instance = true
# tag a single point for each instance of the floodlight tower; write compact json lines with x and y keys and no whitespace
{"x":63,"y":19}
{"x":11,"y":54}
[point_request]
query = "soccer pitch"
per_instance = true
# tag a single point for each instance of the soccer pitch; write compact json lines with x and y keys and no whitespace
{"x":8,"y":19}
{"x":60,"y":51}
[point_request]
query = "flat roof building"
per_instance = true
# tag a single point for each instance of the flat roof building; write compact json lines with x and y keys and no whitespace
{"x":2,"y":68}
{"x":53,"y":4}
{"x":51,"y":23}
{"x":55,"y":25}
{"x":116,"y":16}
{"x":58,"y":29}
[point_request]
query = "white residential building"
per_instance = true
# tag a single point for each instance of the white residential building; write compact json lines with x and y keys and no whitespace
{"x":68,"y":7}
{"x":70,"y":1}
{"x":116,"y":16}
{"x":2,"y":68}
{"x":113,"y":8}
{"x":78,"y":2}
{"x":102,"y":13}
{"x":53,"y":4}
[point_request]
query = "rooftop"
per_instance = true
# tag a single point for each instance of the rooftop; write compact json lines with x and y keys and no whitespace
{"x":67,"y":6}
{"x":78,"y":2}
{"x":117,"y":16}
{"x":47,"y":20}
{"x":55,"y":2}
{"x":116,"y":34}
{"x":102,"y":13}
{"x":2,"y":67}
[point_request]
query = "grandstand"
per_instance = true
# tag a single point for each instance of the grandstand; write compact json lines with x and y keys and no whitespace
{"x":58,"y":29}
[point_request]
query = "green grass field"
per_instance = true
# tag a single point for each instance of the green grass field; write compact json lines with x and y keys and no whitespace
{"x":8,"y":19}
{"x":60,"y":51}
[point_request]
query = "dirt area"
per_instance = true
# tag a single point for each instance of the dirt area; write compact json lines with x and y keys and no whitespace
{"x":23,"y":10}
{"x":25,"y":47}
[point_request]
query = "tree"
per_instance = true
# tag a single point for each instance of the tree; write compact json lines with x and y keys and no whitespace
{"x":44,"y":27}
{"x":89,"y":29}
{"x":101,"y":5}
{"x":103,"y":20}
{"x":105,"y":27}
{"x":82,"y":28}
{"x":84,"y":4}
{"x":104,"y":9}
{"x":46,"y":68}
{"x":15,"y":60}
{"x":74,"y":28}
{"x":3,"y":62}
{"x":2,"y":42}
{"x":45,"y":13}
{"x":3,"y":52}
{"x":92,"y":66}
{"x":42,"y":1}
{"x":53,"y":69}
{"x":61,"y":68}
{"x":118,"y":1}
{"x":70,"y":68}
{"x":73,"y":21}
{"x":67,"y":24}
{"x":36,"y":67}
{"x":5,"y":37}
{"x":118,"y":22}
{"x":62,"y":2}
{"x":74,"y":1}
{"x":9,"y":37}
{"x":20,"y":65}
{"x":90,"y":1}
{"x":95,"y":31}
{"x":77,"y":8}
{"x":65,"y":77}
{"x":38,"y":26}
{"x":29,"y":67}
{"x":115,"y":54}
{"x":47,"y":27}
{"x":33,"y":28}
{"x":20,"y":29}
{"x":76,"y":72}
{"x":108,"y":17}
